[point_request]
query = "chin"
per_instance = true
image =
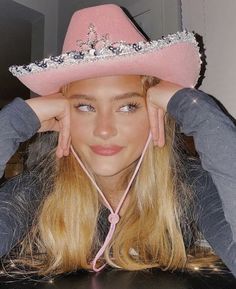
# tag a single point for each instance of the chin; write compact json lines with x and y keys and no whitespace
{"x":108,"y":166}
{"x":106,"y":171}
{"x":110,"y":169}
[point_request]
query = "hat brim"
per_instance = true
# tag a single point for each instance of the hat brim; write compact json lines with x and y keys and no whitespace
{"x":178,"y":63}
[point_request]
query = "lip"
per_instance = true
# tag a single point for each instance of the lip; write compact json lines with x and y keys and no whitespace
{"x":106,"y":150}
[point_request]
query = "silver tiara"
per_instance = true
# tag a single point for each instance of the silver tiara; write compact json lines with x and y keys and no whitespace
{"x":95,"y":49}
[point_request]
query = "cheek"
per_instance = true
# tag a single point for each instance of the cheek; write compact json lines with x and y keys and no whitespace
{"x":79,"y":128}
{"x":136,"y":129}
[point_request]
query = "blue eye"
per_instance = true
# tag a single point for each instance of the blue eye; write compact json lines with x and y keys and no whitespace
{"x":85,"y":107}
{"x":130,"y":107}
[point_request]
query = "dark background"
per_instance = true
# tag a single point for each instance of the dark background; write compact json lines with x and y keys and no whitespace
{"x":16,"y":22}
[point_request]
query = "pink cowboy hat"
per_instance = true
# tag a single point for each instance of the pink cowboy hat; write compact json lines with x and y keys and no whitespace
{"x":102,"y":41}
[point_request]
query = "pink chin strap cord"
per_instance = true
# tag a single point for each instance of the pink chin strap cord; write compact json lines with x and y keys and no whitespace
{"x":114,"y":216}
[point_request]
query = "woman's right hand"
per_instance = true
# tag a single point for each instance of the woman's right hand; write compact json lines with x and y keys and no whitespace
{"x":158,"y":97}
{"x":53,"y":112}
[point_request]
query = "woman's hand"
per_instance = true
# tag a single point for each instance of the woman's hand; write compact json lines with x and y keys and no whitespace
{"x":53,"y":112}
{"x":158,"y":97}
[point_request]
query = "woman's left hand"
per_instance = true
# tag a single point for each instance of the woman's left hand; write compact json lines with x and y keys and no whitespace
{"x":158,"y":97}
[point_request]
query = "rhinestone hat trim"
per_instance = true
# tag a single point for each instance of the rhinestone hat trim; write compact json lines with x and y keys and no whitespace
{"x":95,"y":49}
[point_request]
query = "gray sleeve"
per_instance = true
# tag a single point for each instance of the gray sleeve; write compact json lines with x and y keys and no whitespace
{"x":214,"y":136}
{"x":210,"y":216}
{"x":18,"y":123}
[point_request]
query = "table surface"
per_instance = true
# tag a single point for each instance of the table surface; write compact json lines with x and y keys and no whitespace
{"x":117,"y":279}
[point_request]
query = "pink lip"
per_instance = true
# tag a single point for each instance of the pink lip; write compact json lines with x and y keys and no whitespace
{"x":106,"y":150}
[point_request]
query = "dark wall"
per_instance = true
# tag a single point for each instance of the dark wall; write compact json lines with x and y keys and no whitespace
{"x":15,"y":48}
{"x":16,"y":22}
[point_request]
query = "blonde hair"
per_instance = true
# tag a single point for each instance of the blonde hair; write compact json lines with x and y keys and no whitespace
{"x":68,"y":228}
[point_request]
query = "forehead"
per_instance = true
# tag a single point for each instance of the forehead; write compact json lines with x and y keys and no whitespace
{"x":113,"y":85}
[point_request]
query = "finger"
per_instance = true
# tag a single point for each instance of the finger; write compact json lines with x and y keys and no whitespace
{"x":161,"y":128}
{"x":64,"y":123}
{"x":55,"y":126}
{"x":59,"y":151}
{"x":67,"y":151}
{"x":153,"y":121}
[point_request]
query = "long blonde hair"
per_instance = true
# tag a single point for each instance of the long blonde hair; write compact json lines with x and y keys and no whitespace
{"x":69,"y":226}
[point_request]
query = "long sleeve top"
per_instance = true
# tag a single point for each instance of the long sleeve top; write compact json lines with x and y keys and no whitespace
{"x":214,"y":176}
{"x":214,"y":136}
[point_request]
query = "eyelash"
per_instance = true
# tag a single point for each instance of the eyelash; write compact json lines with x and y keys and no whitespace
{"x":133,"y":105}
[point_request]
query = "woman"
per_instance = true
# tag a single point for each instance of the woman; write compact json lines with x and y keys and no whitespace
{"x":104,"y":110}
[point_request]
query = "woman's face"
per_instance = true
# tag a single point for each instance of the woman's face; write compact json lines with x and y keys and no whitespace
{"x":109,"y":122}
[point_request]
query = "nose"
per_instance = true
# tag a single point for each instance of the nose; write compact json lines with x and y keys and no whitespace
{"x":105,"y":126}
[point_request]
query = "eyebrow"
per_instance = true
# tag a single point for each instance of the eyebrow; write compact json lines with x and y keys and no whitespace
{"x":117,"y":97}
